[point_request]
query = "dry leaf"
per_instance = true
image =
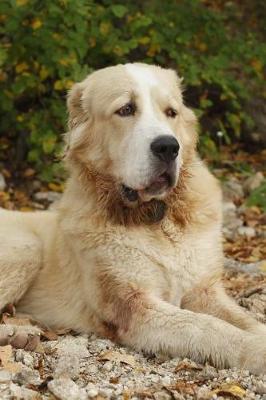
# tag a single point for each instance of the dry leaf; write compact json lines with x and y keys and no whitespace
{"x":5,"y":355}
{"x":183,"y":387}
{"x":49,"y":335}
{"x":187,"y":365}
{"x":7,"y":320}
{"x":118,"y":358}
{"x":262,"y":266}
{"x":229,"y":389}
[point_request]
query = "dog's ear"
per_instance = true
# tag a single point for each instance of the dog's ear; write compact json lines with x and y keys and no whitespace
{"x":74,"y":105}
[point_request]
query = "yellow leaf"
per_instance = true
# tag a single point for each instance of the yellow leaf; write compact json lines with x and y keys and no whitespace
{"x":230,"y":389}
{"x":262,"y":266}
{"x":5,"y":355}
{"x":26,"y":209}
{"x":92,"y":42}
{"x":44,"y":73}
{"x":36,"y":23}
{"x":20,"y":118}
{"x":21,"y":67}
{"x":154,"y":48}
{"x":257,"y":65}
{"x":144,"y":40}
{"x":56,"y":187}
{"x":104,"y":28}
{"x":58,"y":85}
{"x":21,"y":2}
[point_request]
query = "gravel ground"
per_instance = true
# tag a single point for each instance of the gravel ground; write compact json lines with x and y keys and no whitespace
{"x":67,"y":366}
{"x":72,"y":367}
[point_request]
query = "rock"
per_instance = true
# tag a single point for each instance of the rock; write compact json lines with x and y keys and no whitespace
{"x":65,"y":389}
{"x":253,"y":182}
{"x":162,"y":396}
{"x":92,"y":390}
{"x":73,"y":346}
{"x":106,"y":393}
{"x":231,"y":221}
{"x":67,"y":365}
{"x":48,"y":196}
{"x":19,"y":392}
{"x":209,"y":372}
{"x":232,"y":190}
{"x":166,"y":381}
{"x":246,"y":231}
{"x":2,"y":182}
{"x":260,"y":387}
{"x":5,"y":376}
{"x":108,"y":366}
{"x":27,"y":376}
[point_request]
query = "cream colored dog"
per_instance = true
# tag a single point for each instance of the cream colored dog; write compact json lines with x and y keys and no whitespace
{"x":134,"y":250}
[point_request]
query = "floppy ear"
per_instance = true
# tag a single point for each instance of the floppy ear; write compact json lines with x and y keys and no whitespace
{"x":75,"y":110}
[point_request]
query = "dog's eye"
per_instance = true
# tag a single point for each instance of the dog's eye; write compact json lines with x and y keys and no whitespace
{"x":170,"y":112}
{"x":127,"y":110}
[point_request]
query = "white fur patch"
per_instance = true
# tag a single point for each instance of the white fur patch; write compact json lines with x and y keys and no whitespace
{"x":143,"y":76}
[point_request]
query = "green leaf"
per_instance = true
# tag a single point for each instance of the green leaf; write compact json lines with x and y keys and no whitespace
{"x":119,"y":10}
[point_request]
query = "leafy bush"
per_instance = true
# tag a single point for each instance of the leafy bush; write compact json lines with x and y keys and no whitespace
{"x":46,"y":46}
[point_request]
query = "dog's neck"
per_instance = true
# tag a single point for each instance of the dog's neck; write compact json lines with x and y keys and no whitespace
{"x":110,"y":206}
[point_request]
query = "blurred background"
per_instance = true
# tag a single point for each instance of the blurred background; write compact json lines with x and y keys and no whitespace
{"x":218,"y":47}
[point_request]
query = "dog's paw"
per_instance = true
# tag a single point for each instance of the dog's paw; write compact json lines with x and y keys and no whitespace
{"x":253,"y":355}
{"x":20,"y":337}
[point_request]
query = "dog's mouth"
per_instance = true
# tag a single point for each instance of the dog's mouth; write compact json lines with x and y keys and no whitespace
{"x":158,"y":186}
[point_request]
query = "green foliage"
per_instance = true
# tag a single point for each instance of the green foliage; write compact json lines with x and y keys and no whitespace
{"x":258,"y":197}
{"x":47,"y":45}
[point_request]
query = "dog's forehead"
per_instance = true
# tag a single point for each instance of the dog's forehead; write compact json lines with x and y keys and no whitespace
{"x":143,"y":76}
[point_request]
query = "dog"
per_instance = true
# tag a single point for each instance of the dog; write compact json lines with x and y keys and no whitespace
{"x":133,"y":251}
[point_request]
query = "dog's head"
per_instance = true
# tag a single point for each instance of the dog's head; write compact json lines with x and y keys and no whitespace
{"x":129,"y":123}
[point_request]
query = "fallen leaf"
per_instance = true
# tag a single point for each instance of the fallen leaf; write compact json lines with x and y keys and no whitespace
{"x":118,"y":358}
{"x":56,"y":187}
{"x":262,"y":266}
{"x":7,"y":320}
{"x":229,"y":389}
{"x":49,"y":335}
{"x":187,"y":366}
{"x":183,"y":387}
{"x":5,"y":355}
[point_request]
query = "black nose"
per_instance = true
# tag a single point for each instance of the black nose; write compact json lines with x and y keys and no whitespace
{"x":165,"y":148}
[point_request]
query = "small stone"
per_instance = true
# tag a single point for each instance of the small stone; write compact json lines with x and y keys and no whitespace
{"x":92,"y":369}
{"x":106,"y":393}
{"x":246,"y":231}
{"x":73,"y":346}
{"x":108,"y":366}
{"x":166,"y":381}
{"x":2,"y":182}
{"x":261,"y":387}
{"x":19,"y":392}
{"x":5,"y":376}
{"x":232,"y":190}
{"x":48,"y":196}
{"x":67,"y":365}
{"x":162,"y":396}
{"x":65,"y":389}
{"x":28,"y":360}
{"x":209,"y":372}
{"x":253,"y":182}
{"x":92,"y":390}
{"x":27,"y":376}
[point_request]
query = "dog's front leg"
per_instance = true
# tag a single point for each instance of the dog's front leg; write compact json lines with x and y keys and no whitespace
{"x":143,"y":321}
{"x":209,"y":297}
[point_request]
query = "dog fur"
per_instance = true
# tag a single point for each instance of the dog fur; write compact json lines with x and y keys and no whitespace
{"x":148,"y":274}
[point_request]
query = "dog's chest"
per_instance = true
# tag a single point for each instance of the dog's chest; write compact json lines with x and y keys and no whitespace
{"x":179,"y":259}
